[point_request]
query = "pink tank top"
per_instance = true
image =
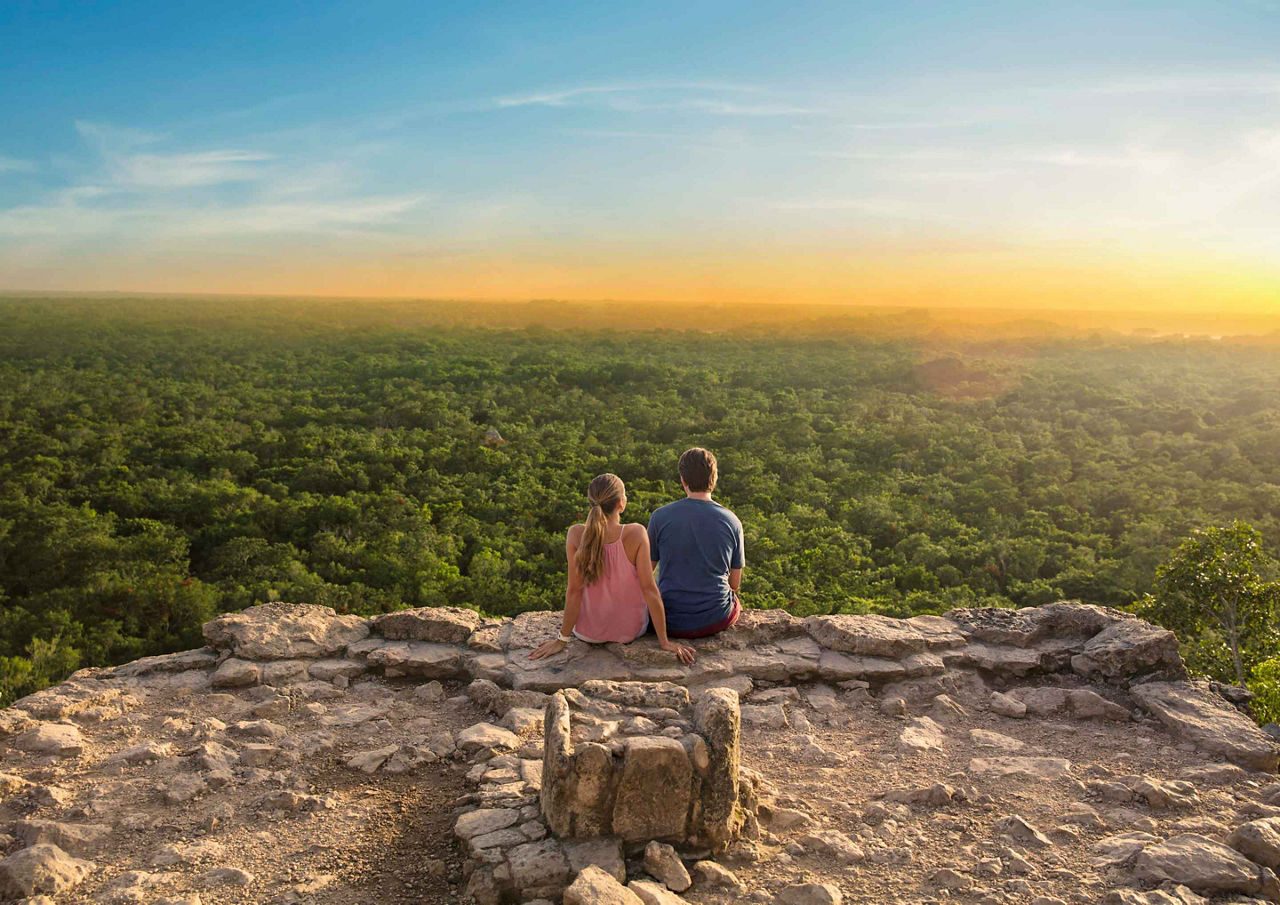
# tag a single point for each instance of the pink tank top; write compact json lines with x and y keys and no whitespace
{"x":613,"y":607}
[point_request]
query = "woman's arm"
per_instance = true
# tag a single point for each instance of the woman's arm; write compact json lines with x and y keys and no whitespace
{"x":572,"y":599}
{"x":653,"y":600}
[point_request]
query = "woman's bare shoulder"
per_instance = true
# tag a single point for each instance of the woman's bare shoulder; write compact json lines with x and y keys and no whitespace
{"x":575,"y":533}
{"x":634,"y":529}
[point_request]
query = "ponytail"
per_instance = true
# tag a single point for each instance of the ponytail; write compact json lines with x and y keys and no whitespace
{"x":605,"y":493}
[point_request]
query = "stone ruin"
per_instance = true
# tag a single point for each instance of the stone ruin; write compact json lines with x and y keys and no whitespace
{"x":607,"y":764}
{"x":679,"y":783}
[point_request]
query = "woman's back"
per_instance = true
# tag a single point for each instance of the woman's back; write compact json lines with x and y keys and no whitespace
{"x":613,"y":606}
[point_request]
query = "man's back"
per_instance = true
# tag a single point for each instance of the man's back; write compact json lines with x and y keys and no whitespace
{"x":695,"y":543}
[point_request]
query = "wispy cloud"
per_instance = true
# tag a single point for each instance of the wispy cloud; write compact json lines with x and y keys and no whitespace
{"x":878,"y":207}
{"x":74,"y":215}
{"x":137,"y":189}
{"x":126,"y":165}
{"x":184,"y":170}
{"x":640,"y":97}
{"x":1266,"y":82}
{"x":13,"y":165}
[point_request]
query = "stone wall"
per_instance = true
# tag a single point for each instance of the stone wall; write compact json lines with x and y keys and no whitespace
{"x":675,"y":782}
{"x":1093,"y":658}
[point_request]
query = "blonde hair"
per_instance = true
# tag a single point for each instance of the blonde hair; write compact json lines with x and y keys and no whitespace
{"x":605,"y":493}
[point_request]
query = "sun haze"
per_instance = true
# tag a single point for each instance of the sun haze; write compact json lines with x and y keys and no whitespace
{"x":1084,"y":156}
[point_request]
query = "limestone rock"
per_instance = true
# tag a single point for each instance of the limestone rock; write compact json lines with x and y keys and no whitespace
{"x":665,"y":866}
{"x":486,"y":735}
{"x":523,"y":720}
{"x":557,"y":795}
{"x":1015,"y":827}
{"x":370,"y":761}
{"x":330,"y":668}
{"x":200,"y":658}
{"x":810,"y":894}
{"x":993,"y":658}
{"x":869,"y":635}
{"x":40,"y":868}
{"x":483,"y":889}
{"x":538,"y":865}
{"x":604,"y":852}
{"x":1035,"y":767}
{"x":574,"y":667}
{"x":638,"y":694}
{"x":767,"y":716}
{"x":1176,"y":895}
{"x":279,"y":631}
{"x":485,"y":820}
{"x":1259,"y":841}
{"x":595,"y":887}
{"x":236,"y":673}
{"x":834,"y":843}
{"x":75,"y":838}
{"x":1130,"y":647}
{"x":641,"y":810}
{"x":984,"y":738}
{"x":1006,"y":705}
{"x":718,"y":721}
{"x":1089,"y":705}
{"x":142,"y":754}
{"x":1205,"y":866}
{"x":1121,"y":849}
{"x":921,"y":734}
{"x":837,"y":667}
{"x":61,"y":739}
{"x":653,"y":894}
{"x":1159,"y":793}
{"x":417,"y":658}
{"x":227,"y":876}
{"x":716,"y":876}
{"x":1196,"y":714}
{"x":947,"y":878}
{"x":1023,"y":627}
{"x":1042,"y":701}
{"x":444,"y":625}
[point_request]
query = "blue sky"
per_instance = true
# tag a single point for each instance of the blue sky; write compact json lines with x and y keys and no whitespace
{"x":817,"y":151}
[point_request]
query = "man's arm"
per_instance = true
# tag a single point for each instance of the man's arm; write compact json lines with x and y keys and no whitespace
{"x":735,"y":579}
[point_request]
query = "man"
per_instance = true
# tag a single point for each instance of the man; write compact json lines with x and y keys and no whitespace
{"x":696,"y":545}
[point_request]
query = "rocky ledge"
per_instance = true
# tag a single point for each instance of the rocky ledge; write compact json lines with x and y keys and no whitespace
{"x":900,"y":715}
{"x":1092,"y":661}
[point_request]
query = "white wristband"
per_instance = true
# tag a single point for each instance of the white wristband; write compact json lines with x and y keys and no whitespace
{"x":565,"y":639}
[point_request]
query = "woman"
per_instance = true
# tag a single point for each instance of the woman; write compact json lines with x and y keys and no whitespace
{"x":611,"y":595}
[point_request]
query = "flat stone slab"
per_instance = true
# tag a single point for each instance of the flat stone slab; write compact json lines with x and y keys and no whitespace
{"x":445,"y":625}
{"x":869,"y":635}
{"x":1211,"y":723}
{"x":1034,"y":767}
{"x":282,"y":631}
{"x":1205,"y":866}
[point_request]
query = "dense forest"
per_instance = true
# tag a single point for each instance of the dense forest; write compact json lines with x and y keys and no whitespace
{"x":161,"y":461}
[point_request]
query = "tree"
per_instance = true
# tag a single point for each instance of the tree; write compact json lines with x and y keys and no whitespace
{"x":1215,"y":592}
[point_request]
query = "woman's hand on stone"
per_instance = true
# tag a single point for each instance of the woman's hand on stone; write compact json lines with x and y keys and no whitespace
{"x":547,"y":649}
{"x":683,"y":652}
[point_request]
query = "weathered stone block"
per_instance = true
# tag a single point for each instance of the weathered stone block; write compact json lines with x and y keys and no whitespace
{"x":717,"y":719}
{"x":653,"y":790}
{"x":277,"y":631}
{"x":445,"y":625}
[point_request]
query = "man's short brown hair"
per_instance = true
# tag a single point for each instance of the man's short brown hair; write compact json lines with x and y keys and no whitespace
{"x":698,"y":470}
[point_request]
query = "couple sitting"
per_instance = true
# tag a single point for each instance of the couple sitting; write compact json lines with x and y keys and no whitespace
{"x":695,"y":542}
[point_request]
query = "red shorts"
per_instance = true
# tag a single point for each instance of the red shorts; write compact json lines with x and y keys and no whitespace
{"x":713,"y":629}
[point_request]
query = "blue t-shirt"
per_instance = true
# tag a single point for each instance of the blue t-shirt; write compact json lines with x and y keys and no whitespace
{"x":695,"y":543}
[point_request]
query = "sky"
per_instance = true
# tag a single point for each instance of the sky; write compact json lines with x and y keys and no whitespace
{"x":1120,"y":155}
